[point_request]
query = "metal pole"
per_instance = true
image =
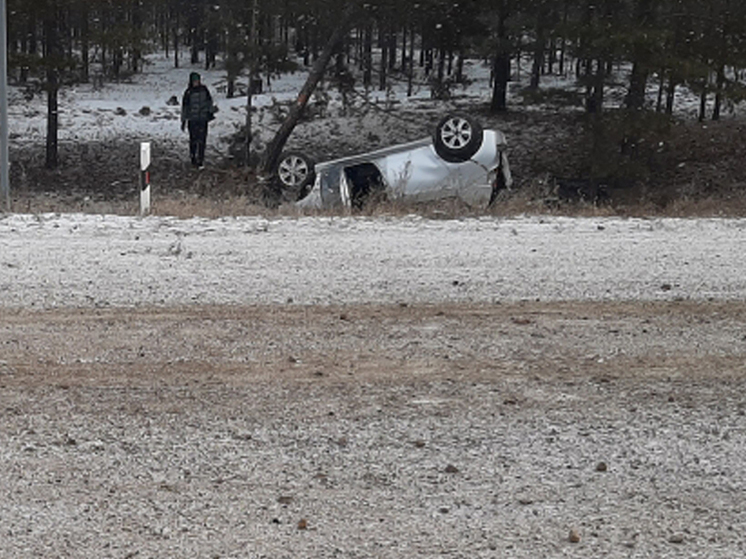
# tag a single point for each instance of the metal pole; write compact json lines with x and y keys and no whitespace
{"x":4,"y":160}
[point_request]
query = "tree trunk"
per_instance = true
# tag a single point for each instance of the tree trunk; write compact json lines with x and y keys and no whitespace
{"x":64,"y":35}
{"x":383,"y":68}
{"x":594,"y":95}
{"x":703,"y":101}
{"x":164,"y":25}
{"x":84,"y":45}
{"x":641,"y":56}
{"x":671,"y":93}
{"x":441,"y":64}
{"x":410,"y":68}
{"x":272,"y":153}
{"x":51,"y":53}
{"x":176,"y":38}
{"x":501,"y":72}
{"x":598,"y":86}
{"x":195,"y":28}
{"x":563,"y":39}
{"x":315,"y":43}
{"x":31,"y":36}
{"x":52,"y":158}
{"x":538,"y":58}
{"x":118,"y":59}
{"x":637,"y":85}
{"x":722,"y":56}
{"x":501,"y":63}
{"x":211,"y":47}
{"x":460,"y":67}
{"x":719,"y":93}
{"x":368,"y":55}
{"x":391,"y":39}
{"x":661,"y":86}
{"x":306,"y":46}
{"x":232,"y":61}
{"x":253,"y":71}
{"x":137,"y":23}
{"x":359,"y":38}
{"x":551,"y":55}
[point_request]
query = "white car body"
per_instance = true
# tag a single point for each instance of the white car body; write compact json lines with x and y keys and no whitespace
{"x":414,"y":171}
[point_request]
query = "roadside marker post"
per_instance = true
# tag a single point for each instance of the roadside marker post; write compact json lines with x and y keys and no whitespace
{"x":144,"y":178}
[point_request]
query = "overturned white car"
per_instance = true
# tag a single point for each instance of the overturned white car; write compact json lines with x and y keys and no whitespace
{"x":460,"y":160}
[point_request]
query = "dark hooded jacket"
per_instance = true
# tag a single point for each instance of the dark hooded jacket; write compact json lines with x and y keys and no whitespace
{"x":197,"y":104}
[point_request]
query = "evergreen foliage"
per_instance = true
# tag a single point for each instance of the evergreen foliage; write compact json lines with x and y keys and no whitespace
{"x":700,"y":44}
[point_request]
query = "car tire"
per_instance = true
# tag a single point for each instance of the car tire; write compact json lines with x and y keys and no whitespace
{"x":295,"y":172}
{"x":457,"y":138}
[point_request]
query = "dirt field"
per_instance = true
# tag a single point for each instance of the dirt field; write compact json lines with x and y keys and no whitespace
{"x":456,"y":430}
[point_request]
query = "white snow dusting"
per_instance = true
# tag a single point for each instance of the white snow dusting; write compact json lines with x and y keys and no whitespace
{"x":83,"y":260}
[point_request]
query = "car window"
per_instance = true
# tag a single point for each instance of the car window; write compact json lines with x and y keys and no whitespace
{"x":362,"y":181}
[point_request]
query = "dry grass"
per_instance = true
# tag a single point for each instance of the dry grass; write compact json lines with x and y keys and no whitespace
{"x":186,"y":205}
{"x":190,"y":205}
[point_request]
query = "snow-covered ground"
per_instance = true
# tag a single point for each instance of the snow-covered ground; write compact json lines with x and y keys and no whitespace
{"x":114,"y":111}
{"x":91,"y":112}
{"x":83,"y":260}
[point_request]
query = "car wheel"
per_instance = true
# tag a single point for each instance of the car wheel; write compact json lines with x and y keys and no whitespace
{"x":295,"y":171}
{"x":457,"y":138}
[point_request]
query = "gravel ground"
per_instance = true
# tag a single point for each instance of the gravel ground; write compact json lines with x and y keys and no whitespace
{"x":481,"y":388}
{"x":64,"y":260}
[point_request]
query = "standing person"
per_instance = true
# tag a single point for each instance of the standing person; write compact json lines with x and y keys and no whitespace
{"x":196,"y":111}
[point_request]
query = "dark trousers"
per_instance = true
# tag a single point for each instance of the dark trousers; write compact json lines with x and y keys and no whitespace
{"x":197,"y":140}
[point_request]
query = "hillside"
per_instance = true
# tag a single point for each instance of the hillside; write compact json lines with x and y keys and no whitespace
{"x":678,"y":167}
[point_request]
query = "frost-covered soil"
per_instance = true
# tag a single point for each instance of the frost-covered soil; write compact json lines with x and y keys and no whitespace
{"x":86,"y":260}
{"x":392,"y":387}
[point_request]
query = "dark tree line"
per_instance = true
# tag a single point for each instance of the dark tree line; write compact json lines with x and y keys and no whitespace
{"x":665,"y":44}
